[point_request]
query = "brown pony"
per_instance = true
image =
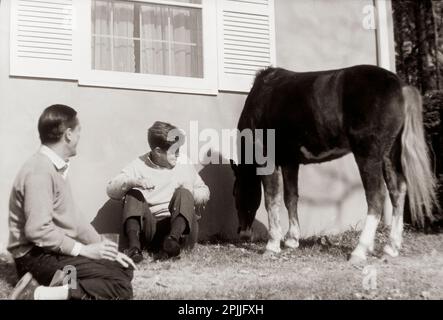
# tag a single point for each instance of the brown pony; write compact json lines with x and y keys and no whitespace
{"x":321,"y":116}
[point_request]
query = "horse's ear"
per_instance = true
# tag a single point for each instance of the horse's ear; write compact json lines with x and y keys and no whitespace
{"x":234,"y":166}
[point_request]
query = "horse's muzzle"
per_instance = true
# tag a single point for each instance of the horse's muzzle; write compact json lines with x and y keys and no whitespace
{"x":245,"y":235}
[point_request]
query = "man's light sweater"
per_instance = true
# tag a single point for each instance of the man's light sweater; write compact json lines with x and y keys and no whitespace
{"x":42,"y":211}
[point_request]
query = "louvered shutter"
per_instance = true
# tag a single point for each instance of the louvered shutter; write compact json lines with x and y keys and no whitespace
{"x":43,"y":39}
{"x":246,"y":41}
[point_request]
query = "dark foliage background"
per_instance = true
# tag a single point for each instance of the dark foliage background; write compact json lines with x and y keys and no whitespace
{"x":418,"y":29}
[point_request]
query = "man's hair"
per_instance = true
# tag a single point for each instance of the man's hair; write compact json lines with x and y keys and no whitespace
{"x":158,"y":135}
{"x":54,"y":121}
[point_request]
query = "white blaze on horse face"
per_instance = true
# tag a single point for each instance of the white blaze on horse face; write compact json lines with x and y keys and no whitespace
{"x":366,"y":242}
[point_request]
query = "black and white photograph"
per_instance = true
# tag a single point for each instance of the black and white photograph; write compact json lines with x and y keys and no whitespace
{"x":233,"y":151}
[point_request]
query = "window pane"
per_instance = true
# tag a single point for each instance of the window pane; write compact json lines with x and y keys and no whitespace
{"x":101,"y":55}
{"x":154,"y":33}
{"x":154,"y":20}
{"x":186,"y":61}
{"x":124,"y":19}
{"x":101,"y":17}
{"x":124,"y":55}
{"x":155,"y":57}
{"x":147,"y":38}
{"x":172,"y":41}
{"x":187,"y":42}
{"x":123,"y":37}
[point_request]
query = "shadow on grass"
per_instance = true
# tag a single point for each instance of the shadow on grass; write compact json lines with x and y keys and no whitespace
{"x":338,"y":245}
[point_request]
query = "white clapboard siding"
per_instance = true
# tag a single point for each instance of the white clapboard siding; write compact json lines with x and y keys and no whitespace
{"x":43,"y":39}
{"x":246,"y":41}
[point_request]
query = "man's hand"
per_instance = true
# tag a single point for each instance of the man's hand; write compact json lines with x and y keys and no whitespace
{"x":107,"y":250}
{"x":125,"y":261}
{"x":101,"y":250}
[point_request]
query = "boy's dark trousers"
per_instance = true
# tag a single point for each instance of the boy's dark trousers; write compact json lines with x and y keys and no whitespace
{"x":155,"y":230}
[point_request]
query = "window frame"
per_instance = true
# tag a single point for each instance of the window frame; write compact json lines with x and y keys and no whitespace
{"x":152,"y":82}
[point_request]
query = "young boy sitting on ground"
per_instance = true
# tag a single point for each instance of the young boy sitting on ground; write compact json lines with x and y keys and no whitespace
{"x":160,"y":194}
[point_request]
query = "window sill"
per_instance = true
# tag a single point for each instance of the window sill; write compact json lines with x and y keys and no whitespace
{"x":107,"y":79}
{"x":200,"y":91}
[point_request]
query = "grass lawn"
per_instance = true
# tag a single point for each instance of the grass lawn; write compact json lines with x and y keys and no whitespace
{"x":317,"y":270}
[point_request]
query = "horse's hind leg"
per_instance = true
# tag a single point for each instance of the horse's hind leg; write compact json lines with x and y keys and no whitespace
{"x":396,"y":184}
{"x":290,"y":182}
{"x":273,"y":187}
{"x":371,"y":172}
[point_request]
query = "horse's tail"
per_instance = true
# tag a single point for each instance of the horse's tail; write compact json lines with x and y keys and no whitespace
{"x":415,"y":160}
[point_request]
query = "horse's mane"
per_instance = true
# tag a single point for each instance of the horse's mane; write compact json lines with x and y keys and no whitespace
{"x":259,"y":97}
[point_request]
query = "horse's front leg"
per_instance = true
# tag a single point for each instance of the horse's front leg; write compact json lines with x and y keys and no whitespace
{"x":273,"y":187}
{"x":290,"y":182}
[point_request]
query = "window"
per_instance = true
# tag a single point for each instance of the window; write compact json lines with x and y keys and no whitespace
{"x":150,"y":45}
{"x":189,"y":46}
{"x":147,"y":38}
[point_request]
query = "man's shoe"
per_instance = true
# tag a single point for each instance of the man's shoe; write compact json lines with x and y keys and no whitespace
{"x":25,"y":288}
{"x":171,"y":247}
{"x":135,"y":254}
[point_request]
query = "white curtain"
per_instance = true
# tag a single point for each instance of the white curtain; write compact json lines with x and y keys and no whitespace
{"x":123,"y":34}
{"x":171,"y":38}
{"x":186,"y":28}
{"x":155,"y":53}
{"x":101,"y":35}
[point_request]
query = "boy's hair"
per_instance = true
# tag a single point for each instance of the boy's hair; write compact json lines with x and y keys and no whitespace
{"x":158,"y":135}
{"x":54,"y":121}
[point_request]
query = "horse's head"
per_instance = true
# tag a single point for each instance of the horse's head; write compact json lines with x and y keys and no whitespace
{"x":247,"y":194}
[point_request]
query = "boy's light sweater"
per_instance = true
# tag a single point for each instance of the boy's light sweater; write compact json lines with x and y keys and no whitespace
{"x":165,"y":181}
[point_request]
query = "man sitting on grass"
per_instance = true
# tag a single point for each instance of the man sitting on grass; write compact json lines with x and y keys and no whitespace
{"x":160,"y":193}
{"x":48,"y":234}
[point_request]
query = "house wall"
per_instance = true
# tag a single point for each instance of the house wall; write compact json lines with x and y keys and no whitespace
{"x":310,"y":35}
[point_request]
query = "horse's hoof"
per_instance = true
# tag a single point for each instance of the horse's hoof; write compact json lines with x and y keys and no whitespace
{"x":269,"y":254}
{"x":356,"y":260}
{"x":273,"y":248}
{"x":291,"y":243}
{"x":391,"y":252}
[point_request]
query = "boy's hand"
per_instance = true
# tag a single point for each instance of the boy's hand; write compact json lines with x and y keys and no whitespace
{"x":186,"y":185}
{"x":144,"y":184}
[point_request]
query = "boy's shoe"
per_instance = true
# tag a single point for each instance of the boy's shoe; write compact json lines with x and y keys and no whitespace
{"x":171,"y":247}
{"x":25,"y":288}
{"x":135,"y":254}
